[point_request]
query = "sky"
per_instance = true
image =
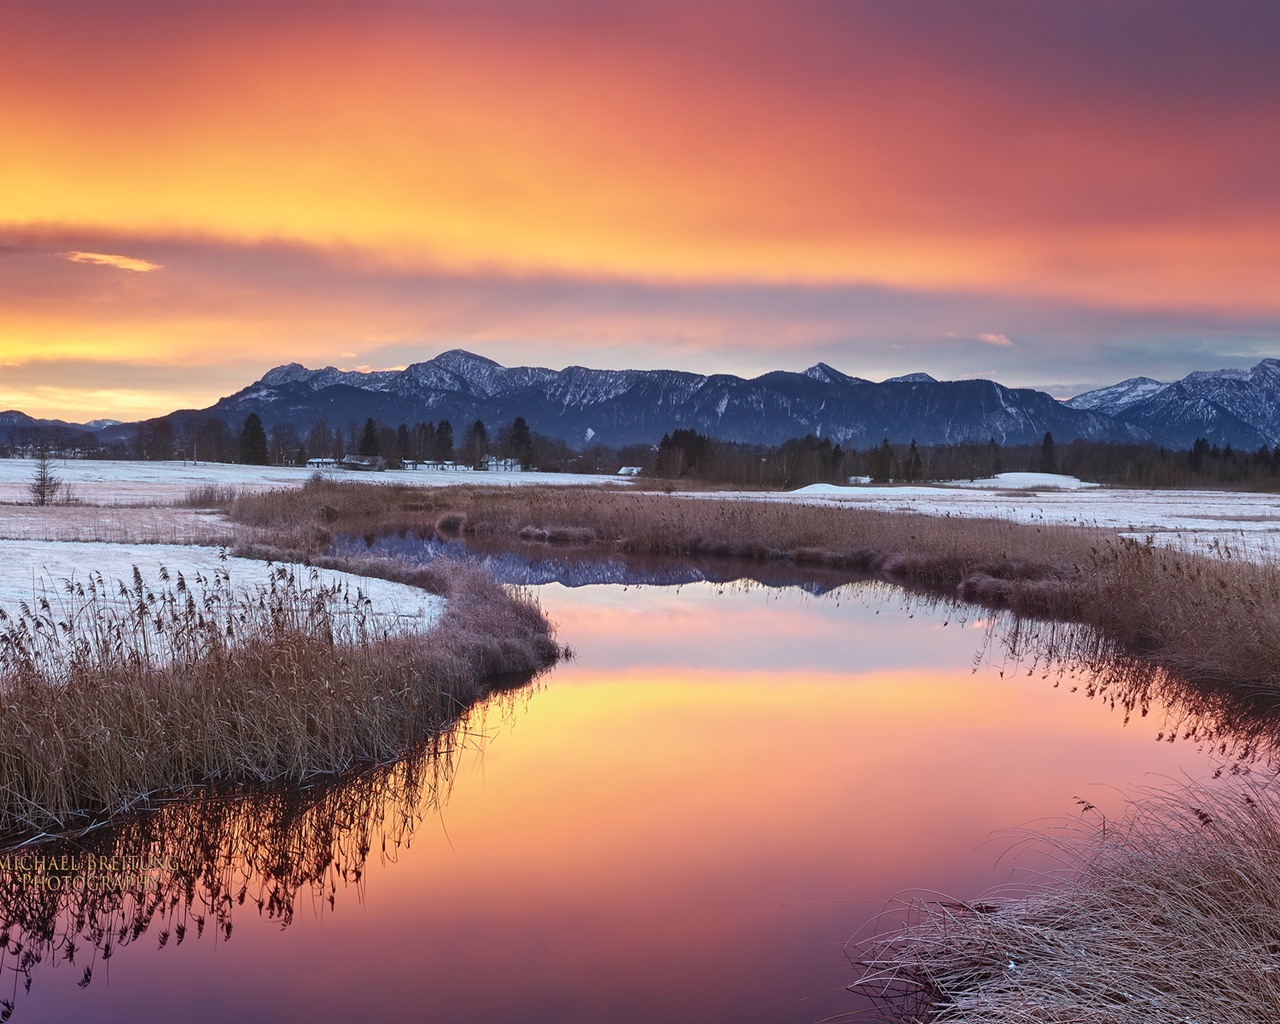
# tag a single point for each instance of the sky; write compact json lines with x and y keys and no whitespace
{"x":1052,"y":195}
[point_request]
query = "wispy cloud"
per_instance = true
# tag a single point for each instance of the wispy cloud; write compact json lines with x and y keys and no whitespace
{"x":1001,"y":340}
{"x":106,"y":259}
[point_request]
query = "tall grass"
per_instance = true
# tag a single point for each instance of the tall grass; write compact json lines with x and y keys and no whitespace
{"x":1170,"y":914}
{"x":107,"y":704}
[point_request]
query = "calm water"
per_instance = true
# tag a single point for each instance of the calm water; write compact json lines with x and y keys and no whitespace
{"x":687,"y":822}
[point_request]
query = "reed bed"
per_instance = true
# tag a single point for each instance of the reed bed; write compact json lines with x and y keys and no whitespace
{"x":1214,"y":618}
{"x":114,"y":694}
{"x":1170,"y":914}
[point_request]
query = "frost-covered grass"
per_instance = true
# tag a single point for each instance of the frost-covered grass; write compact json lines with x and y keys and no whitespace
{"x":115,"y":692}
{"x":1171,"y":914}
{"x":78,"y":580}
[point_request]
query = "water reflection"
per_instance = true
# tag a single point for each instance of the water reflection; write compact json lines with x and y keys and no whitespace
{"x":186,"y":869}
{"x":535,"y":564}
{"x":1241,"y":727}
{"x":687,"y":823}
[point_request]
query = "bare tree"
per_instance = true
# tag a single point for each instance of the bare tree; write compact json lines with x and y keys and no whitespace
{"x":44,"y":487}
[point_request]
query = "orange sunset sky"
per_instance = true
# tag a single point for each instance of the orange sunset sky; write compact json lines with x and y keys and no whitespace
{"x":1051,"y":195}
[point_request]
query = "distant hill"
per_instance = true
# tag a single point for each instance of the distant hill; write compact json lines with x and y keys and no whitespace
{"x":12,"y":419}
{"x":22,"y":432}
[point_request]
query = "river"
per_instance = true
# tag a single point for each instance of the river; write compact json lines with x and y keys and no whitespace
{"x":687,"y":821}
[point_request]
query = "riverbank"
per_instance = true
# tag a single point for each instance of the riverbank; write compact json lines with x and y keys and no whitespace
{"x":118,"y":692}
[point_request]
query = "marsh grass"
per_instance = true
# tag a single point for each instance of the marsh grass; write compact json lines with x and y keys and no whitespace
{"x":115,"y":694}
{"x":1169,"y":914}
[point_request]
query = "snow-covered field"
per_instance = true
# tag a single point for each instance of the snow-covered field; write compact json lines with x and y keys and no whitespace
{"x":34,"y":571}
{"x":1247,"y":523}
{"x":117,"y":523}
{"x":107,"y":482}
{"x":1025,"y":481}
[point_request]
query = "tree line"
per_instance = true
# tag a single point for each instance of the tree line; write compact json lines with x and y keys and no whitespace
{"x":808,"y":460}
{"x":395,"y":446}
{"x":680,"y":454}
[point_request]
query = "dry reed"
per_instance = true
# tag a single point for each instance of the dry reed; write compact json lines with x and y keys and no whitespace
{"x":105,"y":705}
{"x":1171,"y":914}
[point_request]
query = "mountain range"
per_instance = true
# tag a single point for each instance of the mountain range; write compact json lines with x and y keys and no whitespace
{"x":617,"y":407}
{"x":12,"y":420}
{"x":1236,"y":407}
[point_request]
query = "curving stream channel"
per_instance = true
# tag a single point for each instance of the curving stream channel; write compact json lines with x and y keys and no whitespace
{"x":686,"y":822}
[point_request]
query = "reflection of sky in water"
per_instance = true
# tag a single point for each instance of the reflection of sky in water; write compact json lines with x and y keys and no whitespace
{"x":685,"y":823}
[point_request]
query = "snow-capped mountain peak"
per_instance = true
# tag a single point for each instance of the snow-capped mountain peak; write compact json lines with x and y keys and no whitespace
{"x":286,"y":374}
{"x":1231,"y":406}
{"x":1118,"y":396}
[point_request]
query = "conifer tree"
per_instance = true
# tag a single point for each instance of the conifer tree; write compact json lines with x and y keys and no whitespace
{"x":253,"y":442}
{"x":369,"y":438}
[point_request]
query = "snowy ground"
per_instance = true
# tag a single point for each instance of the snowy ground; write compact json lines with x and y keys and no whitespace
{"x":1025,"y":481}
{"x":1247,"y":523}
{"x":107,"y":482}
{"x":35,"y":571}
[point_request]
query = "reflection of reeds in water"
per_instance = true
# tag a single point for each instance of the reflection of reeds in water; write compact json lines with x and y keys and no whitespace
{"x":184,"y":869}
{"x":1170,"y":914}
{"x":1240,"y":726}
{"x":111,"y":697}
